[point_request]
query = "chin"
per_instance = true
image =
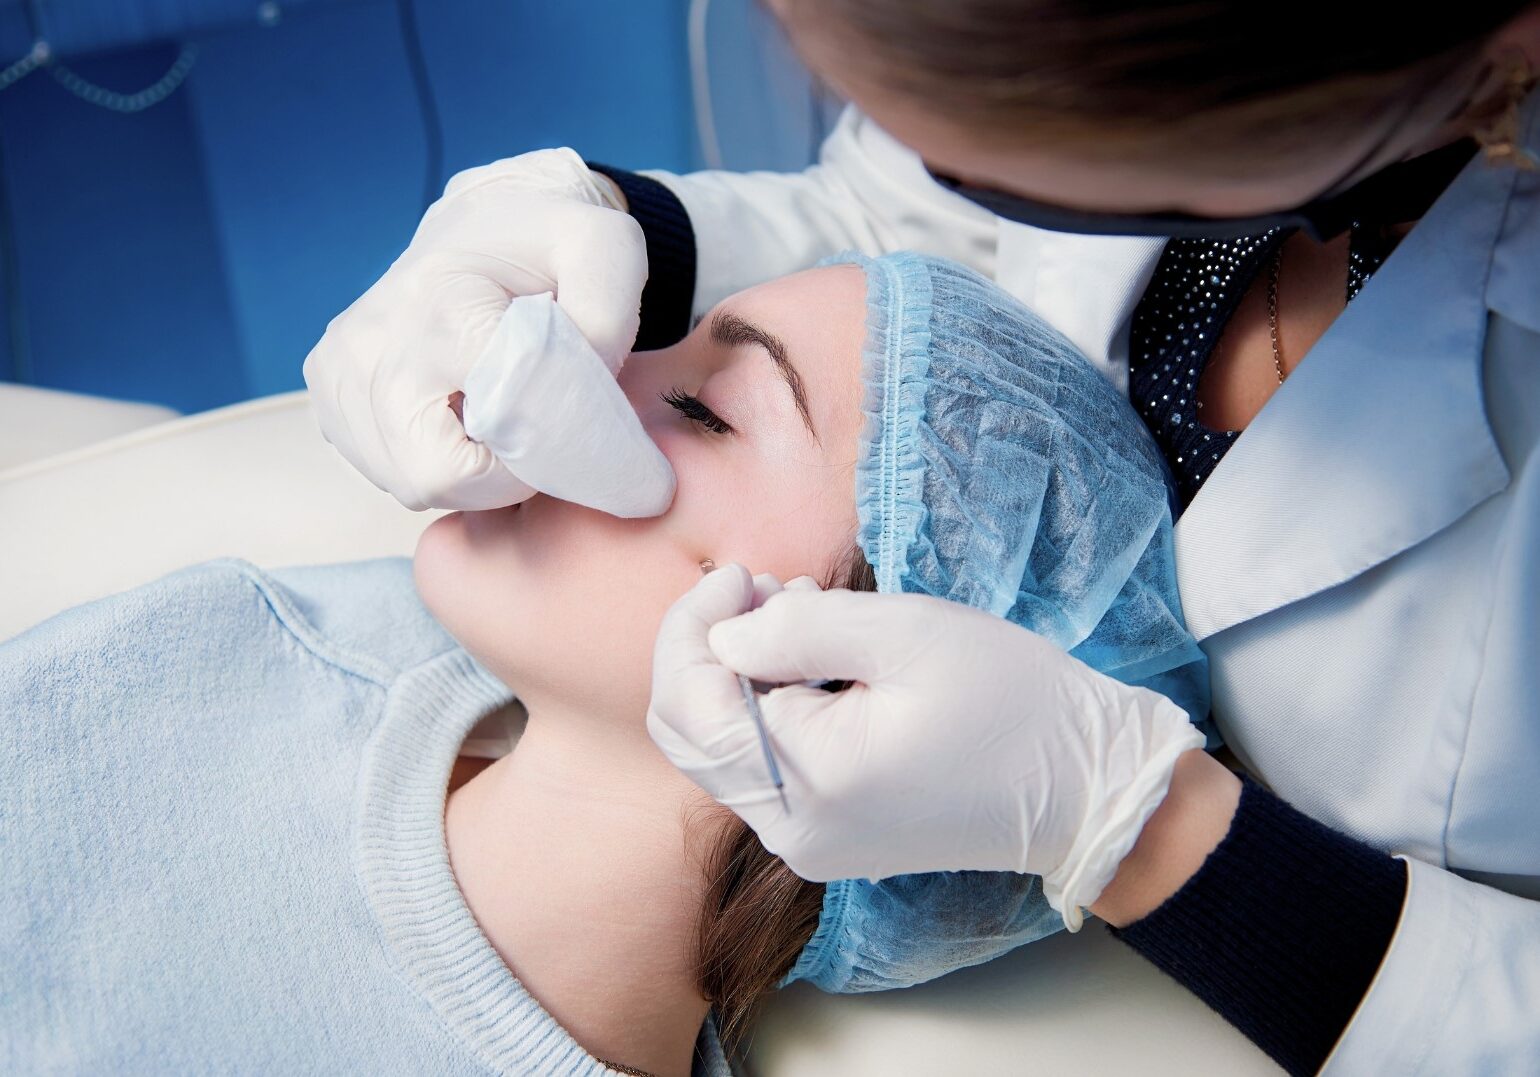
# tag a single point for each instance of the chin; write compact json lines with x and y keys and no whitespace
{"x":439,"y":548}
{"x":477,"y":595}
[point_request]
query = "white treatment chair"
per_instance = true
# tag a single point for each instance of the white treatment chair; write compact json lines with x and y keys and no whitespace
{"x":257,"y":481}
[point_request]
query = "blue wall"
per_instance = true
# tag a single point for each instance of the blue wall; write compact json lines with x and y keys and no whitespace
{"x":120,"y":271}
{"x":191,"y":254}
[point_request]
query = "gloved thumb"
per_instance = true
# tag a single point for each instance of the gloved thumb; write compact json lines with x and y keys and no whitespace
{"x":802,"y":635}
{"x":694,"y":699}
{"x":450,"y":471}
{"x":599,"y":278}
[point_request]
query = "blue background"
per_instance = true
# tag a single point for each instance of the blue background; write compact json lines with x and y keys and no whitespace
{"x":191,"y":254}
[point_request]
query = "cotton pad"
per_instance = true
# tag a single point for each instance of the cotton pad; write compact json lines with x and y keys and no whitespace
{"x":550,"y":409}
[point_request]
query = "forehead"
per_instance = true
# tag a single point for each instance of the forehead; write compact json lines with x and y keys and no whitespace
{"x":831,"y":295}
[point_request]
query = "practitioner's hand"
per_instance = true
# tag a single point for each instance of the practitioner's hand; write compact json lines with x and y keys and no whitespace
{"x":965,"y":742}
{"x":381,"y":377}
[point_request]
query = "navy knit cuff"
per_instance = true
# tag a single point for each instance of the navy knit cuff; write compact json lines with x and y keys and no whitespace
{"x":670,"y":290}
{"x":1281,"y":930}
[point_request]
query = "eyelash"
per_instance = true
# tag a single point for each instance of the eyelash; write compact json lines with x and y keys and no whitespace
{"x":693,"y":409}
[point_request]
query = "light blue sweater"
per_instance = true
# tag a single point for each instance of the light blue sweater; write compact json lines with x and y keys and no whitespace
{"x":222,"y":844}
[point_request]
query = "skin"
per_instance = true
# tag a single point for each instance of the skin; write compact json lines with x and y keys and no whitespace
{"x":576,"y":851}
{"x":1241,"y":377}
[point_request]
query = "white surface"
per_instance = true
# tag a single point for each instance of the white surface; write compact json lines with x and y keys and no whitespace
{"x":1070,"y":1004}
{"x":258,"y":481}
{"x":39,"y":423}
{"x":255,"y":480}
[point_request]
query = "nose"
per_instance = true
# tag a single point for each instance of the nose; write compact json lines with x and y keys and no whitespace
{"x":644,"y":379}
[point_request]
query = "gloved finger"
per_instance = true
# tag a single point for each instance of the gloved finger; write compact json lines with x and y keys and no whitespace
{"x":722,"y":593}
{"x":765,"y":585}
{"x":400,"y":417}
{"x":697,"y":716}
{"x":600,"y":271}
{"x":592,"y":257}
{"x":440,"y":466}
{"x":803,"y":635}
{"x":342,"y":407}
{"x":727,"y":764}
{"x":559,"y":171}
{"x":810,"y":736}
{"x":687,"y":679}
{"x":796,"y":716}
{"x":802,"y":583}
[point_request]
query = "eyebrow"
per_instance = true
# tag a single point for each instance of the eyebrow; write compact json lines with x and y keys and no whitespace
{"x":729,"y":330}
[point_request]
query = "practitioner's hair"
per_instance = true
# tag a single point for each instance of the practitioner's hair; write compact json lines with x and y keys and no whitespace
{"x":1221,"y":80}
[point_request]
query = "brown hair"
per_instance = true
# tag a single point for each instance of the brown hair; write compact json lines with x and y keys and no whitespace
{"x":757,"y":914}
{"x":1203,"y":75}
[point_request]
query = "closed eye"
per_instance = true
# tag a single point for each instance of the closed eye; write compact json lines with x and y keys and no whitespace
{"x":693,"y":409}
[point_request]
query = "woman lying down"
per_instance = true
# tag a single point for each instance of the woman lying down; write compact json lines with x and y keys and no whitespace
{"x":230,"y":837}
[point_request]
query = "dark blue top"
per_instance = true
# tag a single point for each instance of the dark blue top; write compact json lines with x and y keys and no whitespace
{"x":1198,"y":283}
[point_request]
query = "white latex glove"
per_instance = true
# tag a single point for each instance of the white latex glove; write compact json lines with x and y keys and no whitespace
{"x":966,"y":743}
{"x":381,"y":376}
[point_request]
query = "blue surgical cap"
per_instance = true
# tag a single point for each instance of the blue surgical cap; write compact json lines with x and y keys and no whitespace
{"x":999,"y":469}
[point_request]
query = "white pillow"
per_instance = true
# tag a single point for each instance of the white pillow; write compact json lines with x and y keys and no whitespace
{"x":255,"y":480}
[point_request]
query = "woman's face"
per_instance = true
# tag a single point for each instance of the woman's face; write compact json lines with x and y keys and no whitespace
{"x":563,"y":602}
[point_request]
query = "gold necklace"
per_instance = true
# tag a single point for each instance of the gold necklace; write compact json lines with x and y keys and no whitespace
{"x":1272,"y":315}
{"x":1272,"y":310}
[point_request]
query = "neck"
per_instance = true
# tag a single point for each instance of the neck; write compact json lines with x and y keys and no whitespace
{"x":572,"y":854}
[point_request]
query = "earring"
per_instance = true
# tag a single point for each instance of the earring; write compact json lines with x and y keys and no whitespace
{"x":1499,"y":135}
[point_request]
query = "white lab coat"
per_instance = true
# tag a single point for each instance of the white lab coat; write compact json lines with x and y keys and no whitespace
{"x":1363,"y":568}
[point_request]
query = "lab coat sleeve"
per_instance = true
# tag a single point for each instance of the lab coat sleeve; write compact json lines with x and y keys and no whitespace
{"x":867,"y":192}
{"x":1459,"y":989}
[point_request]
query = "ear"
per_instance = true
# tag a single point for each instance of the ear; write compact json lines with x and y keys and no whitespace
{"x":1507,"y":69}
{"x":1521,"y":33}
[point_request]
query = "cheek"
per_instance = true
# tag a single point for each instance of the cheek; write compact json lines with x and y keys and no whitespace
{"x":789,"y":519}
{"x":560,"y":602}
{"x":773,"y":510}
